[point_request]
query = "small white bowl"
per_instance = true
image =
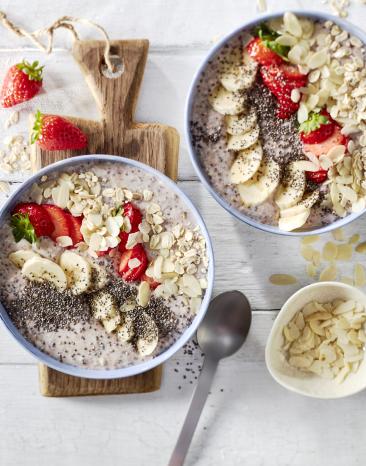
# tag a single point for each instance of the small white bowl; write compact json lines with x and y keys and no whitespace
{"x":311,"y":384}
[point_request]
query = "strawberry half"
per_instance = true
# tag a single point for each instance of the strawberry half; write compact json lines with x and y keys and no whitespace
{"x":317,"y":177}
{"x":30,"y":221}
{"x":52,"y":132}
{"x":153,"y":284}
{"x":22,"y":82}
{"x":60,"y":220}
{"x":317,"y":128}
{"x":134,"y":215}
{"x":336,"y":139}
{"x":124,"y":270}
{"x":261,"y":53}
{"x":74,"y":225}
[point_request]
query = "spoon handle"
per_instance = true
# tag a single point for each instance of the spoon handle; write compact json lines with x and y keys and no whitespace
{"x":194,"y":413}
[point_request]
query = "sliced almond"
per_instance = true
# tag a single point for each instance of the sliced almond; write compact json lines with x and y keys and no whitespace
{"x":282,"y":279}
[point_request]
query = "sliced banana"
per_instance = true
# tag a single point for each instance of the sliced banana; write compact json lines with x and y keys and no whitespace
{"x":39,"y":269}
{"x":294,"y":222}
{"x":246,"y":164}
{"x":18,"y":258}
{"x":103,"y":305}
{"x":226,"y":102}
{"x":309,"y":200}
{"x":239,"y":124}
{"x":262,"y":185}
{"x":126,"y":331}
{"x":147,"y":343}
{"x":100,"y":277}
{"x":292,"y":211}
{"x":78,"y":271}
{"x":110,"y":325}
{"x":244,"y":140}
{"x":292,"y":190}
{"x":237,"y":78}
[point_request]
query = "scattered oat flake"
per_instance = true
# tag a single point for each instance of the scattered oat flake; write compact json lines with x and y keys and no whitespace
{"x":344,"y":252}
{"x":361,"y":248}
{"x":329,"y":251}
{"x":310,"y":239}
{"x":359,"y":275}
{"x":354,"y":239}
{"x":338,"y":234}
{"x":282,"y":279}
{"x":328,"y":274}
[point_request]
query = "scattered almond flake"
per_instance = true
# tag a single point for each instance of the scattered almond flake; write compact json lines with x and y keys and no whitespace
{"x":108,"y":192}
{"x":328,"y":274}
{"x":133,"y":239}
{"x":359,"y":275}
{"x":4,"y":186}
{"x":344,"y":252}
{"x":12,"y":119}
{"x":191,"y":286}
{"x":147,"y":195}
{"x":282,"y":279}
{"x":134,"y":263}
{"x":64,"y":241}
{"x":354,"y":238}
{"x":316,"y":258}
{"x":329,"y":251}
{"x":347,"y":280}
{"x":262,"y":5}
{"x":361,"y":248}
{"x":310,"y":239}
{"x":338,"y":234}
{"x":307,"y":252}
{"x":143,"y":294}
{"x":311,"y":270}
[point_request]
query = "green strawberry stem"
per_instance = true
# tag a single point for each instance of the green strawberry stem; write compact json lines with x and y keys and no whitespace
{"x":37,"y":127}
{"x":22,"y":228}
{"x":313,"y":123}
{"x":268,"y":37}
{"x":32,"y":70}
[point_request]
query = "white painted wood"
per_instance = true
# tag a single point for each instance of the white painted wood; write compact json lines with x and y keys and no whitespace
{"x":253,"y":421}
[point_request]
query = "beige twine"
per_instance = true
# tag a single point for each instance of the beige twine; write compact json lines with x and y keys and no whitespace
{"x":66,"y":22}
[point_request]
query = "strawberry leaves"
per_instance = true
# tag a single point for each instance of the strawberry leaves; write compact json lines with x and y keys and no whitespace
{"x":314,"y":122}
{"x":268,"y":37}
{"x":32,"y":70}
{"x":22,"y":228}
{"x":37,"y":126}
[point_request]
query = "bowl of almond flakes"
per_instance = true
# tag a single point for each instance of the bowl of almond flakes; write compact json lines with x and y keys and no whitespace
{"x":317,"y":344}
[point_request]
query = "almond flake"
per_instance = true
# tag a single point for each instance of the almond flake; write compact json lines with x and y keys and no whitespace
{"x":64,"y":241}
{"x":328,"y":274}
{"x":282,"y":279}
{"x":329,"y":251}
{"x":338,"y":234}
{"x":310,"y":239}
{"x":134,"y":263}
{"x":361,"y":248}
{"x":359,"y":275}
{"x":143,"y":294}
{"x":344,"y":252}
{"x":133,"y":239}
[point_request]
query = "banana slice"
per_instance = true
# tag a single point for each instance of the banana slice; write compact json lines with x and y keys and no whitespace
{"x":112,"y":324}
{"x":147,"y":343}
{"x":243,"y":141}
{"x":18,"y":258}
{"x":126,"y":331}
{"x":262,"y":185}
{"x":238,"y":77}
{"x":100,"y":278}
{"x":294,"y":222}
{"x":246,"y":164}
{"x":78,"y":271}
{"x":239,"y":124}
{"x":310,"y":199}
{"x":103,"y":305}
{"x":39,"y":269}
{"x":226,"y":102}
{"x":292,"y":190}
{"x":292,"y":211}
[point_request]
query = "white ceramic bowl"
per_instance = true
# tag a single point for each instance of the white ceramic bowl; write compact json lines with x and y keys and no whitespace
{"x":311,"y":384}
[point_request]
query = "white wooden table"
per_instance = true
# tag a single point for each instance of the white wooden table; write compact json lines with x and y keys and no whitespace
{"x":249,"y":419}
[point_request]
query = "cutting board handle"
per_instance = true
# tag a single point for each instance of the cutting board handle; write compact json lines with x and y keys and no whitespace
{"x":116,"y":95}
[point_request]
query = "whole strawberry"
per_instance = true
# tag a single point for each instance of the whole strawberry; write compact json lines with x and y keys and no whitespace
{"x":22,"y":82}
{"x":53,"y":132}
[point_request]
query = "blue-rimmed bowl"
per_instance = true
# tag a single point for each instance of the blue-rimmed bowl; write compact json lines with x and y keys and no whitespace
{"x":354,"y":30}
{"x":186,"y":335}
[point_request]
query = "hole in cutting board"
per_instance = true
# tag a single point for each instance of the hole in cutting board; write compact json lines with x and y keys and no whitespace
{"x":117,"y":62}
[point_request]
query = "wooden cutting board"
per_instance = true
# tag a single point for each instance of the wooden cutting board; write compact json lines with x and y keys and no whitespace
{"x":115,"y":134}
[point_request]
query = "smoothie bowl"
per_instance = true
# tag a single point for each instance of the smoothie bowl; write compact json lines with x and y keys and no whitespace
{"x":106,"y":267}
{"x":275,"y":123}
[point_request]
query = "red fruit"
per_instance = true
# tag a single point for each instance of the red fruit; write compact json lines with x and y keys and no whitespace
{"x":317,"y":177}
{"x":122,"y":244}
{"x":292,"y":73}
{"x":335,"y":139}
{"x":128,"y":274}
{"x":286,"y":107}
{"x":134,"y":215}
{"x":74,"y":225}
{"x":38,"y":217}
{"x":153,"y":284}
{"x":319,"y":135}
{"x":53,"y":132}
{"x":22,"y":82}
{"x":262,"y":54}
{"x":60,"y":220}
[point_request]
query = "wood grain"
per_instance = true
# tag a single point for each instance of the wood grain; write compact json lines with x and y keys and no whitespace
{"x":117,"y":134}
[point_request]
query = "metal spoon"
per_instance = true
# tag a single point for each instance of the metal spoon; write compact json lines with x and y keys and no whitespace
{"x":221,"y":333}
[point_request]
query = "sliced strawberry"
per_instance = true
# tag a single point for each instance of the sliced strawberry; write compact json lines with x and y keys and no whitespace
{"x":336,"y":139}
{"x":286,"y":107}
{"x":59,"y":219}
{"x":38,"y":217}
{"x":262,"y":54}
{"x":153,"y":284}
{"x":128,"y":274}
{"x":292,"y":73}
{"x":317,"y":128}
{"x":317,"y":177}
{"x":122,"y":245}
{"x":134,"y":215}
{"x":75,"y":224}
